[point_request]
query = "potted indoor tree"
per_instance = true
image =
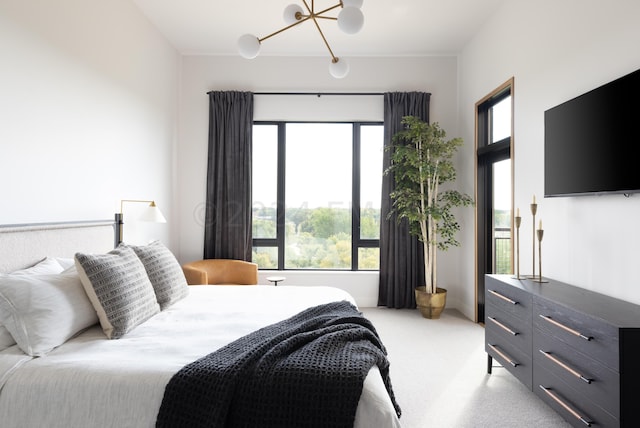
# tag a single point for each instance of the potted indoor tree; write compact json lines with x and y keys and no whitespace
{"x":421,"y":162}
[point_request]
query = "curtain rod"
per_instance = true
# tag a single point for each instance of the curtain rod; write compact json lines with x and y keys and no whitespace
{"x":318,"y":94}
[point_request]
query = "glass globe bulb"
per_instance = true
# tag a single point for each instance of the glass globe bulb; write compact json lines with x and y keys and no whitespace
{"x":248,"y":46}
{"x":339,"y":68}
{"x":352,"y":3}
{"x":290,"y":12}
{"x":350,"y":20}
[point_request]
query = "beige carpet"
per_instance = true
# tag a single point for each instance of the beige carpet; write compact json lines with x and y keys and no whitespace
{"x":439,"y":375}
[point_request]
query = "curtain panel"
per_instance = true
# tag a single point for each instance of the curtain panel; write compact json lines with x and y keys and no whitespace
{"x":401,"y":254}
{"x":227,"y":233}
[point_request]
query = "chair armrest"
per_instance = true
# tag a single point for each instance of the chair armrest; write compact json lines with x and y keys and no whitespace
{"x":194,"y":275}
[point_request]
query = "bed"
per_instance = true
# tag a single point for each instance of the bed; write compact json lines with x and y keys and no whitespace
{"x":88,"y":380}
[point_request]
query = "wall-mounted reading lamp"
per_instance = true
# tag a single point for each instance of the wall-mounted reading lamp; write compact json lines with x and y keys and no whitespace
{"x":152,"y":214}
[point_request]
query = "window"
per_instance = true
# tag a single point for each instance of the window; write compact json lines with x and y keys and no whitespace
{"x":316,"y":195}
{"x":494,"y":159}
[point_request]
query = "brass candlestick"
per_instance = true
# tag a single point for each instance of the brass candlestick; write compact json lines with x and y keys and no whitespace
{"x":534,"y":209}
{"x":539,"y":278}
{"x":518,"y":220}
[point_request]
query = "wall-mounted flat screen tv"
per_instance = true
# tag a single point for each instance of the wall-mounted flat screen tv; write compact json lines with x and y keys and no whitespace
{"x":592,"y":142}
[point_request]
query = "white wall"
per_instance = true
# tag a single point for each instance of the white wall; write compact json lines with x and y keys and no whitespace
{"x":201,"y":74}
{"x":88,"y":112}
{"x":557,"y":50}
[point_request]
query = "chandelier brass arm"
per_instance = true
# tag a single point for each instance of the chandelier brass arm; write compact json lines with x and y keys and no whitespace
{"x":314,"y":16}
{"x":319,"y":14}
{"x":306,"y":18}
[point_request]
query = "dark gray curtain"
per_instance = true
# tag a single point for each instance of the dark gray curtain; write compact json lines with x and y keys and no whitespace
{"x":401,"y":254}
{"x":227,"y":233}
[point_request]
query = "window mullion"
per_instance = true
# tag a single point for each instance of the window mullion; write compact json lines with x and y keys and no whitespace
{"x":281,"y":191}
{"x":355,"y":197}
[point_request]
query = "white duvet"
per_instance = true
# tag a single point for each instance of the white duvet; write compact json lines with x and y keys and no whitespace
{"x":93,"y":382}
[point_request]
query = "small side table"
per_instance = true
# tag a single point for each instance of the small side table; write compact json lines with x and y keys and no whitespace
{"x":275,"y":279}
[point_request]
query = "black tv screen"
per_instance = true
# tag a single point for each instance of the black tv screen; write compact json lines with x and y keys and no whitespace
{"x":592,"y":142}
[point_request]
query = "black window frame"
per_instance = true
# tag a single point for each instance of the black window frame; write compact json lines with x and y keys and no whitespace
{"x":487,"y":153}
{"x":356,"y":241}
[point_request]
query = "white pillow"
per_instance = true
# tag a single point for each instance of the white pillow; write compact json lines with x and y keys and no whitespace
{"x":45,"y":266}
{"x":66,"y":263}
{"x":119,"y":289}
{"x":44,"y":311}
{"x":6,"y":340}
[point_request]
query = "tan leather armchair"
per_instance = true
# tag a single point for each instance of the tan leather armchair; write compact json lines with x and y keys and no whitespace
{"x":221,"y":272}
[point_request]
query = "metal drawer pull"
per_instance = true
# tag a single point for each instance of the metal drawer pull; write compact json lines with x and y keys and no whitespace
{"x":566,"y":367}
{"x":564,"y":327}
{"x":504,"y":327}
{"x":506,"y":299}
{"x":566,"y":406}
{"x":504,"y":357}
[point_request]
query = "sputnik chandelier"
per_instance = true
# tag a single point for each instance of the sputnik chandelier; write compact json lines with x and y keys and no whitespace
{"x":350,"y":20}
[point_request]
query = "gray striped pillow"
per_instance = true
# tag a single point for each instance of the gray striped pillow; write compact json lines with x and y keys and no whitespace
{"x":119,"y":289}
{"x":164,"y":271}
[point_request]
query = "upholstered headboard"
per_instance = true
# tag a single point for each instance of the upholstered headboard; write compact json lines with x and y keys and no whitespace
{"x":24,"y":245}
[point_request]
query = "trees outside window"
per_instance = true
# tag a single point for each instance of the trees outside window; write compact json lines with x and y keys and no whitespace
{"x":316,"y":195}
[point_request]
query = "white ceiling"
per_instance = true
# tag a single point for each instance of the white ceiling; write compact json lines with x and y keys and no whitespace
{"x":395,"y":27}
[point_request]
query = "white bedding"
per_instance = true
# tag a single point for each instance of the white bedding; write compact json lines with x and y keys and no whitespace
{"x":93,"y":382}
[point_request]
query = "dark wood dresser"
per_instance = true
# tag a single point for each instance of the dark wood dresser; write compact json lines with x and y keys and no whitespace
{"x":576,"y":349}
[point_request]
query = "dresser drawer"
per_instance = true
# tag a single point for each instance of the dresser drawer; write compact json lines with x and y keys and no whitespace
{"x":512,"y":329}
{"x":577,"y":409}
{"x":582,"y":373}
{"x":509,"y":299}
{"x":586,"y":334}
{"x":512,"y":358}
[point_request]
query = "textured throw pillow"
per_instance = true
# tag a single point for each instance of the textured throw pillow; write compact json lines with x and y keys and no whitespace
{"x":119,"y":289}
{"x":46,"y":266}
{"x":164,"y":271}
{"x":43,"y":311}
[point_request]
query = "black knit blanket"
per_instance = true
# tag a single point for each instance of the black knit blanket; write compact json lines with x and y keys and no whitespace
{"x":305,"y":371}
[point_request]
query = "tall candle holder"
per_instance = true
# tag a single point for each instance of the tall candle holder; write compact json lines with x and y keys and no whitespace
{"x":518,"y":221}
{"x":540,"y":233}
{"x":534,"y":210}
